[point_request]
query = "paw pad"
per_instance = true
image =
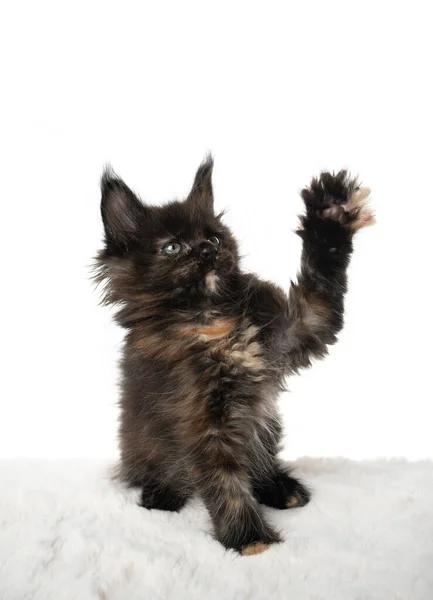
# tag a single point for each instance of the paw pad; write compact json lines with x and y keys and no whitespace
{"x":339,"y":197}
{"x":292,"y":502}
{"x":253,"y":549}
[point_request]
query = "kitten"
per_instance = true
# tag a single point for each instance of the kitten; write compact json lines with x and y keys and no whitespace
{"x":207,"y":347}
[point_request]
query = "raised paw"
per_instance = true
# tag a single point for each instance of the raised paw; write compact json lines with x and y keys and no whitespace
{"x":282,"y":491}
{"x":339,"y":197}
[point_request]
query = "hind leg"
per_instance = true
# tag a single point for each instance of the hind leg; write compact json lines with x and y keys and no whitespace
{"x":162,"y":486}
{"x":272,"y":482}
{"x":156,"y":494}
{"x":280,"y":490}
{"x":147,"y":462}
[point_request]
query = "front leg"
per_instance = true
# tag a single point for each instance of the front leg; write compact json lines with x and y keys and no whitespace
{"x":296,"y":329}
{"x":221,"y":470}
{"x":335,"y":210}
{"x":235,"y":511}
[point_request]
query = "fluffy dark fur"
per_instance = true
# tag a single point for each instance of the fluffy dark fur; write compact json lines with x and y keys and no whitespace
{"x":207,"y":347}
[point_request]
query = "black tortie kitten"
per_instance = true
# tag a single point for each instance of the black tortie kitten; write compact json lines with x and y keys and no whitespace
{"x":207,"y":347}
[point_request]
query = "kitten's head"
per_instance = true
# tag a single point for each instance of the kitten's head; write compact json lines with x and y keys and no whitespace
{"x":179,"y":250}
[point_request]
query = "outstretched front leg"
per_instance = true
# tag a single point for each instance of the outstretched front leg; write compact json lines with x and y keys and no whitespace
{"x":335,"y":210}
{"x":298,"y":328}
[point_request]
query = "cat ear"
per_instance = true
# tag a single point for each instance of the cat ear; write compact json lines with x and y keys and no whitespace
{"x":201,"y":194}
{"x":122,"y":212}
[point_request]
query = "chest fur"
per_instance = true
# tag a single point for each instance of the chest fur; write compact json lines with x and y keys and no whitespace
{"x":213,"y":340}
{"x":228,"y":340}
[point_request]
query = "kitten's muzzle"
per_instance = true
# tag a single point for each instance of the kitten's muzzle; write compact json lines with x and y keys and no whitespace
{"x":208,"y":253}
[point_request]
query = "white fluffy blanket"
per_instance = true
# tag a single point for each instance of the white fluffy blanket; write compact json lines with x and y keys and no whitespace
{"x":68,"y":532}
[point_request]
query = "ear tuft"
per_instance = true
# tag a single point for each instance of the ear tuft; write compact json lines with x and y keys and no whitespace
{"x":201,"y":194}
{"x":122,"y":212}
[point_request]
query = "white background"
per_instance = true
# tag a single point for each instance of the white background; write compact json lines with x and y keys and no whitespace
{"x":277,"y":91}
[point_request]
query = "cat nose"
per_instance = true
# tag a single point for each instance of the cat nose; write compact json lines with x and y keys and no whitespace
{"x":207,"y":251}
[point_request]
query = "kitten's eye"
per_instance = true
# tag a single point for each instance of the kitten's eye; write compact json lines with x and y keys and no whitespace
{"x":214,"y":240}
{"x":172,"y":248}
